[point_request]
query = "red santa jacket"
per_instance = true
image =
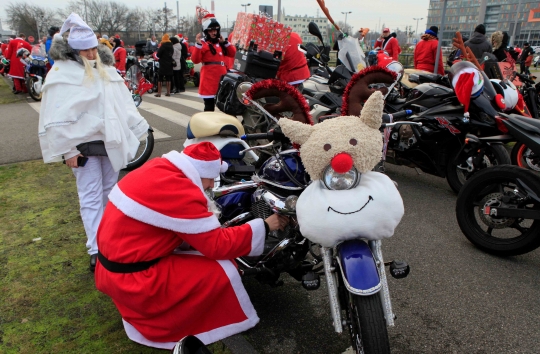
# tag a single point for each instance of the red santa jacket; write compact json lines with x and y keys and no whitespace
{"x":3,"y":48}
{"x":120,"y":58}
{"x":16,"y":66}
{"x":391,"y":47}
{"x":293,"y":68}
{"x":425,"y":54}
{"x":211,"y":73}
{"x":151,"y":212}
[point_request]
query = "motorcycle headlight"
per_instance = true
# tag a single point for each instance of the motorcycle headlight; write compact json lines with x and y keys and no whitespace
{"x":340,"y":181}
{"x":290,"y":202}
{"x":35,"y":62}
{"x":41,"y":63}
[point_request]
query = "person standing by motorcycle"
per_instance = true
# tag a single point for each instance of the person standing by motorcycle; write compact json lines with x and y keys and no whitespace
{"x":525,"y":59}
{"x":119,"y":56}
{"x":294,"y":68}
{"x":151,"y":45}
{"x":88,"y":120}
{"x":164,"y":258}
{"x":165,"y":56}
{"x":389,"y":44}
{"x":425,"y":52}
{"x":499,"y":43}
{"x":16,"y":71}
{"x":210,"y":51}
{"x":178,"y":71}
{"x":478,"y":42}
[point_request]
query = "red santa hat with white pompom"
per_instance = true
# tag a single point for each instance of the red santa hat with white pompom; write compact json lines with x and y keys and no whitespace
{"x":206,"y":159}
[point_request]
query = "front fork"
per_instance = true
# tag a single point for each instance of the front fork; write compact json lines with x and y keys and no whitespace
{"x":331,"y":274}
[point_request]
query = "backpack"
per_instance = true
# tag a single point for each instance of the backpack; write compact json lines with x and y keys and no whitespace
{"x":226,"y":99}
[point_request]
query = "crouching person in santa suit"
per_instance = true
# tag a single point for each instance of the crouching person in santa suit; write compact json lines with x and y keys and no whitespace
{"x":165,"y":260}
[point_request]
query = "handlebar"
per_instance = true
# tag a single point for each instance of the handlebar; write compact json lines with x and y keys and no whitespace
{"x":272,"y":135}
{"x":523,"y":78}
{"x":387,"y":118}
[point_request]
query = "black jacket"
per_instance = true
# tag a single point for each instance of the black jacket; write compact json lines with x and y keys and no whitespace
{"x":525,"y":53}
{"x":165,"y":54}
{"x":478,"y":44}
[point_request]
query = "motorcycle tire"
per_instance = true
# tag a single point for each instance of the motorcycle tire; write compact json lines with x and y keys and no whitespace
{"x":456,"y":177}
{"x":196,"y":79}
{"x":143,"y":152}
{"x":31,"y":91}
{"x":524,"y":157}
{"x":500,"y":236}
{"x":367,"y":326}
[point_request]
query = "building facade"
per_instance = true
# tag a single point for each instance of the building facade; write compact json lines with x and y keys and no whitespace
{"x":520,"y":18}
{"x":299,"y":24}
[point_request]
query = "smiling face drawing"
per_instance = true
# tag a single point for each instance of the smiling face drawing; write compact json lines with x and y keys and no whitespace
{"x":352,"y":212}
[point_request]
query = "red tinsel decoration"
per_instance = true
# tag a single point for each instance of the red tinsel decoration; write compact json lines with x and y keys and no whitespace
{"x":284,"y":88}
{"x":354,"y":80}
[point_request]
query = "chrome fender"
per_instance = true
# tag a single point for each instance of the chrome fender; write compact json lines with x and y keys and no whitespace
{"x":358,"y":268}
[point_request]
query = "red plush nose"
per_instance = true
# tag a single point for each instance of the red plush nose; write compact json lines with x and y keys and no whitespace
{"x":342,"y":162}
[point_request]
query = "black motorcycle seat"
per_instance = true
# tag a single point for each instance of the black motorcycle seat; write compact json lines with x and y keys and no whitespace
{"x":530,"y":121}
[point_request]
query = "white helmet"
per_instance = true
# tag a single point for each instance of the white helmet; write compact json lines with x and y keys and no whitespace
{"x":508,"y":91}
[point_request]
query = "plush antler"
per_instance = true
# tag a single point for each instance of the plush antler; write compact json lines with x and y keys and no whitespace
{"x":457,"y":41}
{"x":290,"y":99}
{"x":327,"y":13}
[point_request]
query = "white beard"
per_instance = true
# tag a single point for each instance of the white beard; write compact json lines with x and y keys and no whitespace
{"x":372,"y":211}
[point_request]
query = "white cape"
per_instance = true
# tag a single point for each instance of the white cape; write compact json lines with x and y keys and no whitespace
{"x":372,"y":211}
{"x":75,"y":110}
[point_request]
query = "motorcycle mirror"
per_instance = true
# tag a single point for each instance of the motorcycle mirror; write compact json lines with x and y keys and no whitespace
{"x":241,"y":90}
{"x":314,"y":30}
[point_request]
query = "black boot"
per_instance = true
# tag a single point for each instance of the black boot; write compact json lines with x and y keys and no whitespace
{"x":93,"y":260}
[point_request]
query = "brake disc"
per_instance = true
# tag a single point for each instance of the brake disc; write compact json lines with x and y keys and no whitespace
{"x":493,"y":200}
{"x":532,"y":160}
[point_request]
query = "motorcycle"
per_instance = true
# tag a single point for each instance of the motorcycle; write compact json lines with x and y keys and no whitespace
{"x":35,"y":73}
{"x":498,"y":209}
{"x":137,"y":84}
{"x":4,"y":66}
{"x":354,"y":270}
{"x":438,"y":147}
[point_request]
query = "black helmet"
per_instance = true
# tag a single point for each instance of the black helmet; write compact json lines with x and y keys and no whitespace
{"x":53,"y":30}
{"x":210,"y":22}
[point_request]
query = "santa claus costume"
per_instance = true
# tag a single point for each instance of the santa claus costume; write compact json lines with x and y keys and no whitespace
{"x":16,"y":70}
{"x":293,"y":68}
{"x":389,"y":44}
{"x":120,"y":55}
{"x":165,"y":260}
{"x":211,"y":52}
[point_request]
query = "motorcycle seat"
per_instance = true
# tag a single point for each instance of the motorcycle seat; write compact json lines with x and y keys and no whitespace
{"x":205,"y":124}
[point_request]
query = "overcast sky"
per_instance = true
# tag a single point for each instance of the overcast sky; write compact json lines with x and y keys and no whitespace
{"x":365,"y":13}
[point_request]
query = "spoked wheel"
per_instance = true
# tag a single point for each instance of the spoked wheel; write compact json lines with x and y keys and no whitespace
{"x":457,"y":175}
{"x":137,"y":99}
{"x":143,"y":152}
{"x":32,"y":89}
{"x":500,"y":187}
{"x":524,"y":157}
{"x":367,"y":326}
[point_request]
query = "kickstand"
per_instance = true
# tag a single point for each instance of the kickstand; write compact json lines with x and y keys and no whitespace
{"x":418,"y":170}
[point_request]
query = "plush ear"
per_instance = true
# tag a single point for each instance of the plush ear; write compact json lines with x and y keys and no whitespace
{"x":372,"y":112}
{"x":298,"y":132}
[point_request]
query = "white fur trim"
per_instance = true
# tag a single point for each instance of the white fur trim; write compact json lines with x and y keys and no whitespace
{"x":206,"y":169}
{"x":207,"y":96}
{"x":184,"y":165}
{"x":217,"y":333}
{"x":296,"y":82}
{"x":227,"y":45}
{"x":198,"y":46}
{"x":148,"y":216}
{"x":258,"y":235}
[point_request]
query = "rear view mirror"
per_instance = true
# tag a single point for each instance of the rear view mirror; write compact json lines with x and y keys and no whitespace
{"x":314,"y":30}
{"x":414,"y":78}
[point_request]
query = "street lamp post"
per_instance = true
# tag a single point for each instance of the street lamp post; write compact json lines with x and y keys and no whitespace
{"x":346,"y":13}
{"x":245,"y":6}
{"x":417,"y":19}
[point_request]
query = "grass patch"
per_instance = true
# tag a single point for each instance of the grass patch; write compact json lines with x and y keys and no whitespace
{"x":48,"y":301}
{"x":6,"y":96}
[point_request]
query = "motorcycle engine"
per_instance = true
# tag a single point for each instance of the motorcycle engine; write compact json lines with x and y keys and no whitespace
{"x":405,"y":137}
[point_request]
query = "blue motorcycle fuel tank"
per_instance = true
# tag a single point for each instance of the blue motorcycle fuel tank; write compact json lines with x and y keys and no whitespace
{"x":358,"y":268}
{"x":234,"y":204}
{"x":272,"y":170}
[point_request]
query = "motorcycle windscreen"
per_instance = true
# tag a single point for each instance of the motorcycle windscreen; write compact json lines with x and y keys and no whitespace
{"x":358,"y":268}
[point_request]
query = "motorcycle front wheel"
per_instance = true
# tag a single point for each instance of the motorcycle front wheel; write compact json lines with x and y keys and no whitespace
{"x":457,"y":175}
{"x":31,"y":90}
{"x":367,"y":326}
{"x":524,"y":157}
{"x":508,"y":186}
{"x":143,"y":152}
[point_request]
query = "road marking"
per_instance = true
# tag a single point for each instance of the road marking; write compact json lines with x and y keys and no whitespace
{"x":192,"y":94}
{"x":158,"y":134}
{"x":166,"y":113}
{"x":184,"y":102}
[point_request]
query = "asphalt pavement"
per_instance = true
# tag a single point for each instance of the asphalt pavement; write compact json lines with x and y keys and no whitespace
{"x":456,"y":299}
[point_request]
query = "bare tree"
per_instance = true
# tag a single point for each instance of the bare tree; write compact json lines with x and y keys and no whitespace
{"x":30,"y":19}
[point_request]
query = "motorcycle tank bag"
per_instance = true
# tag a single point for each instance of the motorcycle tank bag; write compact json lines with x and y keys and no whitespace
{"x":226,"y":99}
{"x":261,"y":65}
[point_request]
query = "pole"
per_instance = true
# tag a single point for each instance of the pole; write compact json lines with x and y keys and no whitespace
{"x":165,"y":15}
{"x":515,"y":24}
{"x":279,"y":11}
{"x":85,"y":12}
{"x":177,"y":17}
{"x":417,"y":19}
{"x":441,"y":39}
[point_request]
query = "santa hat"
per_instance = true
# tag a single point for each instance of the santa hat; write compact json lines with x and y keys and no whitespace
{"x":467,"y":83}
{"x":81,"y":36}
{"x":209,"y":20}
{"x":206,"y":159}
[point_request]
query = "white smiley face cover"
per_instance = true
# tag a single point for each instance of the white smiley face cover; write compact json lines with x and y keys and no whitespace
{"x":372,"y":211}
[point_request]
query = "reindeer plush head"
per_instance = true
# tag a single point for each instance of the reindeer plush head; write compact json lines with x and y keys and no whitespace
{"x":343,"y":142}
{"x":348,"y":200}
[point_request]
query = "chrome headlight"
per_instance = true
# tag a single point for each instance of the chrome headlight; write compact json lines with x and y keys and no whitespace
{"x":290,"y":202}
{"x":41,"y":63}
{"x":35,"y":62}
{"x":340,"y":181}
